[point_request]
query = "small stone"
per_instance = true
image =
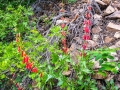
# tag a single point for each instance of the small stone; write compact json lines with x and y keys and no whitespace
{"x":58,"y":22}
{"x":109,"y":10}
{"x":67,"y":73}
{"x":96,"y":29}
{"x":95,"y":37}
{"x":112,"y":47}
{"x":108,"y":39}
{"x":114,"y":15}
{"x":81,"y":10}
{"x":113,"y":27}
{"x":117,"y":44}
{"x":97,"y":18}
{"x":117,"y":35}
{"x":91,"y":44}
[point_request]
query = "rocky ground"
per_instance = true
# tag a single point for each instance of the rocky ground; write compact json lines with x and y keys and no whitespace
{"x":105,"y":29}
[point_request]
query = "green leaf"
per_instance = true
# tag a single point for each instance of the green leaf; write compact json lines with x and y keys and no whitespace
{"x":110,"y":57}
{"x":2,"y":76}
{"x":48,"y":77}
{"x":98,"y":57}
{"x":60,"y":82}
{"x":118,"y":65}
{"x":102,"y":73}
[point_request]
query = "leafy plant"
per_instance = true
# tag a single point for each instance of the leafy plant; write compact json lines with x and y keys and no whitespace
{"x":110,"y":85}
{"x":102,"y":55}
{"x":13,"y":20}
{"x":10,"y":62}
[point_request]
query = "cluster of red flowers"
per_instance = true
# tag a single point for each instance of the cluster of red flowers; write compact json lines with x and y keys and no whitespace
{"x":18,"y":87}
{"x":26,"y":60}
{"x":86,"y":29}
{"x":63,"y":33}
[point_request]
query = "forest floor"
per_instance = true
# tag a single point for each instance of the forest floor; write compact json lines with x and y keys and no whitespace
{"x":105,"y":26}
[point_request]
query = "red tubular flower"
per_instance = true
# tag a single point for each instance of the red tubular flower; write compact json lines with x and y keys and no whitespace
{"x":13,"y":75}
{"x":83,"y":54}
{"x":87,"y":15}
{"x":63,"y":33}
{"x":86,"y":29}
{"x":86,"y":37}
{"x":62,"y":10}
{"x":85,"y":22}
{"x":62,"y":25}
{"x":89,"y":7}
{"x":18,"y":48}
{"x":35,"y":70}
{"x":17,"y":85}
{"x":64,"y":41}
{"x":17,"y":40}
{"x":84,"y":46}
{"x":41,"y":74}
{"x":29,"y":66}
{"x":65,"y":50}
{"x":23,"y":53}
{"x":88,"y":22}
{"x":19,"y":88}
{"x":26,"y":59}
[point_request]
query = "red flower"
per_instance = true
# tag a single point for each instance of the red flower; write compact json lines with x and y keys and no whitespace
{"x":86,"y":29}
{"x":89,"y":7}
{"x":86,"y":37}
{"x":19,"y":88}
{"x":63,"y":33}
{"x":41,"y":74}
{"x":23,"y":53}
{"x":18,"y":48}
{"x":85,"y":22}
{"x":29,"y":66}
{"x":17,"y":85}
{"x":65,"y":50}
{"x":62,"y":25}
{"x":88,"y":22}
{"x":35,"y":70}
{"x":25,"y":59}
{"x":64,"y":41}
{"x":84,"y":46}
{"x":62,"y":10}
{"x":87,"y":15}
{"x":81,"y":54}
{"x":17,"y":40}
{"x":13,"y":75}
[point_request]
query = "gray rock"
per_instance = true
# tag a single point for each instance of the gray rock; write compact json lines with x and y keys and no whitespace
{"x":117,"y":35}
{"x":114,"y":15}
{"x":113,"y":27}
